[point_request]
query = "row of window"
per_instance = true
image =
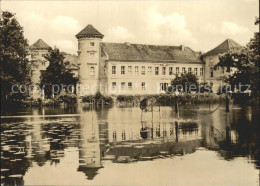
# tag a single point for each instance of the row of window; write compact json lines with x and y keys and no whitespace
{"x":163,"y":86}
{"x":130,"y":85}
{"x":156,"y":70}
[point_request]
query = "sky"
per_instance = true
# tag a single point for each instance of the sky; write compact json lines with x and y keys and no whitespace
{"x":198,"y":24}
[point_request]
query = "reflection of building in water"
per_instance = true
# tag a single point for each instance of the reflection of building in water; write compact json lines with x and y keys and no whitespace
{"x":125,"y":127}
{"x":89,"y":154}
{"x":103,"y":133}
{"x":41,"y":147}
{"x":131,"y":124}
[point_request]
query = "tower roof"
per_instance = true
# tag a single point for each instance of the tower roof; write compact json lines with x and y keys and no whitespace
{"x":227,"y":45}
{"x":89,"y":31}
{"x":40,"y":45}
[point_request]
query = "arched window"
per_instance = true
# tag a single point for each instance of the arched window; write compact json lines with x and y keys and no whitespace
{"x":92,"y":71}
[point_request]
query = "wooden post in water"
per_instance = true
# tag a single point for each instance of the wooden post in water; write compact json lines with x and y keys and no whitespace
{"x":227,"y":103}
{"x":176,"y":106}
{"x":152,"y":122}
{"x":176,"y":130}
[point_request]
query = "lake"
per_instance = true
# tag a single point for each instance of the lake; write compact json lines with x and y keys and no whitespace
{"x":115,"y":145}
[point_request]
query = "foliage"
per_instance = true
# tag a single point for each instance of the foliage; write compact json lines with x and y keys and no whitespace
{"x":169,"y":99}
{"x":98,"y":98}
{"x":14,"y":68}
{"x":68,"y":98}
{"x":185,"y":82}
{"x":56,"y":75}
{"x":88,"y":99}
{"x":246,"y":65}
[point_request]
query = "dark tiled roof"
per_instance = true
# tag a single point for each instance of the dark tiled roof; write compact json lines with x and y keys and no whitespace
{"x":72,"y":59}
{"x":152,"y":53}
{"x":89,"y":31}
{"x":227,"y":45}
{"x":40,"y":45}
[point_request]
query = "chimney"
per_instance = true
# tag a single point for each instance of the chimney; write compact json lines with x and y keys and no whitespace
{"x":182,"y":47}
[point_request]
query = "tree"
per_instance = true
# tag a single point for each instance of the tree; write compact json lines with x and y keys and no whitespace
{"x":14,"y":67}
{"x":186,"y":82}
{"x":57,"y":76}
{"x":246,"y":65}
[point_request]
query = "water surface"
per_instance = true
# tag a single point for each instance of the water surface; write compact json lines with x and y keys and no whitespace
{"x":69,"y":145}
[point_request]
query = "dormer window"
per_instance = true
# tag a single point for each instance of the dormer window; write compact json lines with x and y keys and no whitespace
{"x":92,"y":43}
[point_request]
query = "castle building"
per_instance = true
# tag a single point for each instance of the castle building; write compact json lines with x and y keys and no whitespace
{"x":126,"y":68}
{"x":211,"y":58}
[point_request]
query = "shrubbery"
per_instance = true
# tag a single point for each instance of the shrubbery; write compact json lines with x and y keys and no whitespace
{"x":68,"y":98}
{"x":169,"y":99}
{"x":98,"y":98}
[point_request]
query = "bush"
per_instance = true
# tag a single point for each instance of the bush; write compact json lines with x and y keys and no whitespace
{"x":98,"y":98}
{"x":68,"y":98}
{"x":169,"y":99}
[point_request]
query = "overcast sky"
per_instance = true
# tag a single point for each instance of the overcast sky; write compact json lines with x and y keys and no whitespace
{"x":199,"y":24}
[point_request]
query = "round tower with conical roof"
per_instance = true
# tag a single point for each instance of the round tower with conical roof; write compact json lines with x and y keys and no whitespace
{"x":88,"y":59}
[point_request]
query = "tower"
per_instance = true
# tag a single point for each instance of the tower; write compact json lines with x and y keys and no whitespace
{"x":38,"y":51}
{"x":88,"y":59}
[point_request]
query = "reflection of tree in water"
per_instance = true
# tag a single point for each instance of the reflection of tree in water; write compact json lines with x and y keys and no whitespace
{"x":14,"y":164}
{"x":33,"y":142}
{"x":89,"y":172}
{"x":239,"y":137}
{"x":246,"y":143}
{"x":188,"y":127}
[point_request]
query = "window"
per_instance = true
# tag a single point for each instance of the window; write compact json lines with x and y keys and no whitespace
{"x":129,"y":69}
{"x":211,"y":84}
{"x":170,"y":71}
{"x":92,"y":71}
{"x":211,"y":62}
{"x":113,"y":85}
{"x":114,"y":135}
{"x":156,"y":70}
{"x":136,"y":70}
{"x":130,"y":85}
{"x":113,"y":69}
{"x":143,"y":70}
{"x":163,"y":86}
{"x":196,"y":71}
{"x":123,"y":86}
{"x":92,"y":43}
{"x":183,"y":70}
{"x":122,"y":69}
{"x":223,"y":70}
{"x":163,"y":70}
{"x":149,"y":70}
{"x":177,"y":70}
{"x":211,"y":72}
{"x":123,"y":135}
{"x":92,"y":54}
{"x":33,"y":73}
{"x":201,"y":72}
{"x":189,"y":70}
{"x":143,"y":85}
